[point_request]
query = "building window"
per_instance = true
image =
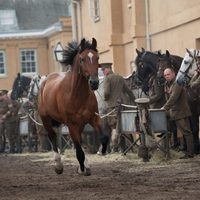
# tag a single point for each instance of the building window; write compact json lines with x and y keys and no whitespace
{"x":8,"y":17}
{"x":2,"y":63}
{"x":28,"y":61}
{"x":95,"y":10}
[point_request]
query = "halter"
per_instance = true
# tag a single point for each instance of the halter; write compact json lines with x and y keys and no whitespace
{"x":185,"y":73}
{"x":35,"y":82}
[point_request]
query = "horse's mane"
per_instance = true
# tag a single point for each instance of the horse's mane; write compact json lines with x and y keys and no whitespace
{"x":72,"y":49}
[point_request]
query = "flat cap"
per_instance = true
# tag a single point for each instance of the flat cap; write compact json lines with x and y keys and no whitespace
{"x":2,"y":92}
{"x":105,"y":65}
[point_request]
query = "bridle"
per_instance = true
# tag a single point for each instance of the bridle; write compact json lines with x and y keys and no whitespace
{"x":31,"y":91}
{"x":185,"y":73}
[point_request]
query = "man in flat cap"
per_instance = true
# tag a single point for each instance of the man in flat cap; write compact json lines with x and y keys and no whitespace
{"x":8,"y":119}
{"x":115,"y":91}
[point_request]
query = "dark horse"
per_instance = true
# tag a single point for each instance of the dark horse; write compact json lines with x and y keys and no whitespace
{"x":69,"y":98}
{"x":146,"y":66}
{"x":20,"y":86}
{"x":159,"y":63}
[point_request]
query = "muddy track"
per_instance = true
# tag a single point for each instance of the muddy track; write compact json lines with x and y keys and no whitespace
{"x":32,"y":177}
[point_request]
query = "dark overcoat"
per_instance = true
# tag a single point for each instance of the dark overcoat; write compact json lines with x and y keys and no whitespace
{"x":156,"y":94}
{"x":115,"y":89}
{"x":177,"y":102}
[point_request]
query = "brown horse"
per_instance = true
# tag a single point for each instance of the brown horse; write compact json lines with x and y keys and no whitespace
{"x":68,"y":98}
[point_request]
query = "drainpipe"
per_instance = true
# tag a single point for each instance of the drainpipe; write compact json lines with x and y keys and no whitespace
{"x":148,"y":39}
{"x":76,"y":20}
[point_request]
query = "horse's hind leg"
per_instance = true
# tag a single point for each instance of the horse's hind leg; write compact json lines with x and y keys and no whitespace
{"x":52,"y":136}
{"x":96,"y":123}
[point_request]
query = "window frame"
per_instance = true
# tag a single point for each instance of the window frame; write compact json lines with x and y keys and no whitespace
{"x":8,"y":18}
{"x":25,"y":50}
{"x":94,"y":9}
{"x":3,"y":52}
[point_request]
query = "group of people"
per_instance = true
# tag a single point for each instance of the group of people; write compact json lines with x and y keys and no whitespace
{"x":172,"y":98}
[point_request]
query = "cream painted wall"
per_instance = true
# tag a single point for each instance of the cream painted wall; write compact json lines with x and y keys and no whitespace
{"x":46,"y":62}
{"x":12,"y":49}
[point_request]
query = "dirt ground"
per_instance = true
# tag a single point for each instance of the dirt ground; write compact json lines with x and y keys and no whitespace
{"x":31,"y":176}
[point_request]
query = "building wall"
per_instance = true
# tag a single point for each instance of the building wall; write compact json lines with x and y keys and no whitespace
{"x":119,"y":31}
{"x":125,"y":25}
{"x":176,"y":28}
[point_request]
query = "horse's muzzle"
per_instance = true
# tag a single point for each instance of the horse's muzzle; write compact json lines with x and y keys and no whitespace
{"x":94,"y":83}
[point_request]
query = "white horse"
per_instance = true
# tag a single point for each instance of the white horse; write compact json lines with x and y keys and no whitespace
{"x":35,"y":86}
{"x":188,"y":67}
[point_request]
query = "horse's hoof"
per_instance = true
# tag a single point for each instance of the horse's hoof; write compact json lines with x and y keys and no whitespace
{"x":59,"y":171}
{"x":87,"y":172}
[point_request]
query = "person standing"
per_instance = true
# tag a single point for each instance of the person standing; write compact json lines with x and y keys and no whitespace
{"x":3,"y":109}
{"x":10,"y":120}
{"x":178,"y":108}
{"x":115,"y":92}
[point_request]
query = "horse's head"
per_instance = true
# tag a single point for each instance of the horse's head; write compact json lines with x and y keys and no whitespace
{"x":164,"y":61}
{"x":34,"y":87}
{"x":83,"y":59}
{"x":188,"y":67}
{"x":167,"y":61}
{"x":88,"y":59}
{"x":146,"y":66}
{"x":20,"y":86}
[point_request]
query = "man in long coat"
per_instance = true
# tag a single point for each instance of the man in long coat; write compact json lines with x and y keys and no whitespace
{"x":115,"y":91}
{"x":178,"y":108}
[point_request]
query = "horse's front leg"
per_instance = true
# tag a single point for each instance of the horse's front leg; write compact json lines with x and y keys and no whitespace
{"x":84,"y":168}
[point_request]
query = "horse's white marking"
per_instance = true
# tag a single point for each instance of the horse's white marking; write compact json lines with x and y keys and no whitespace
{"x":90,"y":55}
{"x":86,"y":163}
{"x":57,"y":159}
{"x":87,"y":166}
{"x":188,"y":65}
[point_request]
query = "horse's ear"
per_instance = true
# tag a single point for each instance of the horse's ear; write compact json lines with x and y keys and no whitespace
{"x":138,"y":52}
{"x":94,"y":43}
{"x":18,"y":75}
{"x":82,"y":44}
{"x":143,"y":50}
{"x":187,"y":50}
{"x":159,"y":54}
{"x":167,"y":53}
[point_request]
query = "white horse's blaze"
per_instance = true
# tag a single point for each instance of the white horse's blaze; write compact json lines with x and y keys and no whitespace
{"x":90,"y":55}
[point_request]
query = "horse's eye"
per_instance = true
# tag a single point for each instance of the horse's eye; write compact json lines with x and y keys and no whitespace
{"x":186,"y":62}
